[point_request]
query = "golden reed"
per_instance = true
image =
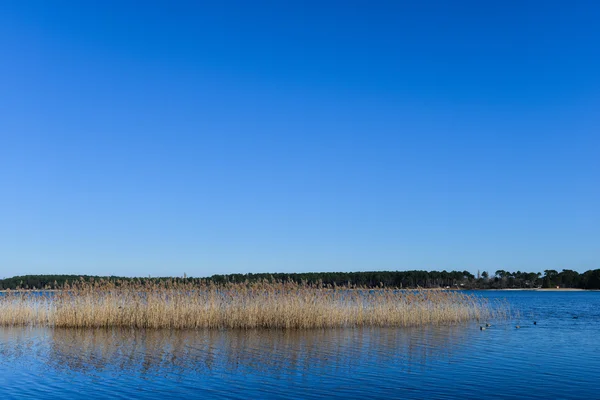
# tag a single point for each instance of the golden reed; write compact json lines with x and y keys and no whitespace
{"x":281,"y":305}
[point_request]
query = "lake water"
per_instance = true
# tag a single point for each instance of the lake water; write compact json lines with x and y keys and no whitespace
{"x":557,"y":358}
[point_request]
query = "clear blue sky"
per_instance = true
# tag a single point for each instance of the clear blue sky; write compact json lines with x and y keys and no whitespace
{"x":153,"y":138}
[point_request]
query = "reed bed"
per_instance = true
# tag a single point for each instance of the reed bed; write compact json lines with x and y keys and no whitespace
{"x":177,"y":304}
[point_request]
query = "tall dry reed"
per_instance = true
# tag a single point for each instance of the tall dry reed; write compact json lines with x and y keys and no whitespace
{"x":283,"y":305}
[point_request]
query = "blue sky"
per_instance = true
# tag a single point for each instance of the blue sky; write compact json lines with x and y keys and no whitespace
{"x":150,"y":138}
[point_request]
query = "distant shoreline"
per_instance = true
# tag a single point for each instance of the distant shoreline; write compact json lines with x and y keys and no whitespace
{"x":455,"y":280}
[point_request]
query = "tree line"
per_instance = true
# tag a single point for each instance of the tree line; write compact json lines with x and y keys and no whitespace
{"x":500,"y":279}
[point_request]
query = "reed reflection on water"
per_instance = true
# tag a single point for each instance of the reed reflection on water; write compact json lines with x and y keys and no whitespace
{"x":152,"y":352}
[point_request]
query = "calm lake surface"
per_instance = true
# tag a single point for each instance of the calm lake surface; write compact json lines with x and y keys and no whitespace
{"x":557,"y":358}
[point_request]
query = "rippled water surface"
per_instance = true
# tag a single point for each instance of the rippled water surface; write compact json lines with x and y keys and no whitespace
{"x":557,"y":358}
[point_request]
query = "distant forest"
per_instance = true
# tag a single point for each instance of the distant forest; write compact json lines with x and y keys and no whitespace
{"x":398,"y":279}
